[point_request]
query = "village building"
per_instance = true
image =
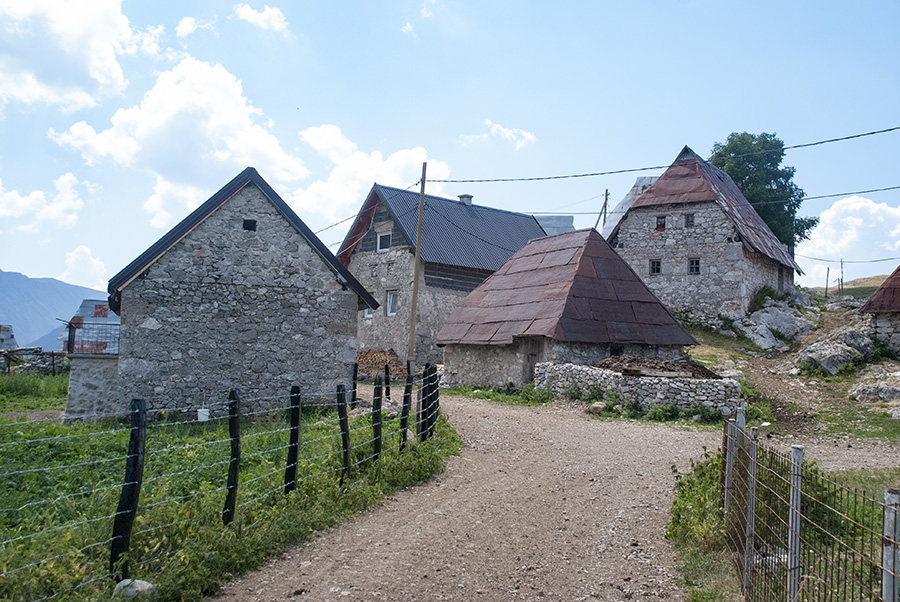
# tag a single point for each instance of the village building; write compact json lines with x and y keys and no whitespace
{"x":883,"y":308}
{"x":699,"y":244}
{"x":567,"y":298}
{"x":239,"y":295}
{"x":7,"y":338}
{"x":462,"y":244}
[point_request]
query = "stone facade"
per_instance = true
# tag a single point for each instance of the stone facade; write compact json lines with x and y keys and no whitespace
{"x":242,"y":301}
{"x":886,"y":327}
{"x":498,"y":365}
{"x":696,"y":262}
{"x":683,"y":392}
{"x":93,"y":387}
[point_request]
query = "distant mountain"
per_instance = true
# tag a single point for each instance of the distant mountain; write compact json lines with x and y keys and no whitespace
{"x":32,"y":305}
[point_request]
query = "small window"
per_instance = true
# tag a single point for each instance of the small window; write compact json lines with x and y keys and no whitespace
{"x":367,"y":312}
{"x":392,"y":301}
{"x":694,"y":265}
{"x":250,"y":225}
{"x":384,"y":242}
{"x":689,"y":220}
{"x":655,"y":266}
{"x":660,"y":222}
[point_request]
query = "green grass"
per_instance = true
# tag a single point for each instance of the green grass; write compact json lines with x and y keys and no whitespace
{"x":179,"y":542}
{"x":873,"y":481}
{"x":529,"y":395}
{"x":30,"y":392}
{"x":713,"y":338}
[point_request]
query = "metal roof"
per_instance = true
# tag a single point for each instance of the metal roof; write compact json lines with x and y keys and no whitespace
{"x":570,"y":287}
{"x":690,"y":179}
{"x":886,"y":298}
{"x":248,"y":176}
{"x":453,"y":233}
{"x":641,"y":183}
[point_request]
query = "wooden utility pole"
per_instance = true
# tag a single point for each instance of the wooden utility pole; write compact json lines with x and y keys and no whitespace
{"x":602,"y":210}
{"x":410,"y":349}
{"x":842,"y":275}
{"x":827,"y":276}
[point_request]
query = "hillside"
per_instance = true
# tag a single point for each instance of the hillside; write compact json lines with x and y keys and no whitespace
{"x":32,"y":305}
{"x":859,"y":288}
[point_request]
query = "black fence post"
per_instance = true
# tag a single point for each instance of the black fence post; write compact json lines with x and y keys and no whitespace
{"x":425,"y":406}
{"x":290,"y":471}
{"x":387,"y":382}
{"x":353,"y":384}
{"x":404,"y":413}
{"x":376,"y":418}
{"x":131,"y":491}
{"x":234,"y":467}
{"x":345,"y":430}
{"x":435,"y":405}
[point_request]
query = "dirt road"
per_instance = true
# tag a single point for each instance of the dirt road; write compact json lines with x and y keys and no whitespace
{"x":543,"y":504}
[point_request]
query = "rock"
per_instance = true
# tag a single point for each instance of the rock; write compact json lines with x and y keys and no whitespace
{"x":732,"y":374}
{"x":597,"y":408}
{"x":896,"y":414}
{"x":877,"y":392}
{"x":828,"y":356}
{"x":802,"y":298}
{"x":860,"y":343}
{"x":761,"y":325}
{"x":134,"y":588}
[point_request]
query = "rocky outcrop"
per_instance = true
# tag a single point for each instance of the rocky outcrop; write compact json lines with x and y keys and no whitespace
{"x":829,"y":357}
{"x":884,"y":391}
{"x":764,"y":327}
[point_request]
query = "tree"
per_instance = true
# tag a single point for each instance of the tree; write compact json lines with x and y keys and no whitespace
{"x":754,"y":163}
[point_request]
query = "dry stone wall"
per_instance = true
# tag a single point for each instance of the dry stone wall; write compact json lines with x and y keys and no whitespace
{"x":93,"y":387}
{"x":683,"y":392}
{"x":886,"y":327}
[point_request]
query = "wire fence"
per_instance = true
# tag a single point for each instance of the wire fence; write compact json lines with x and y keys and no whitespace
{"x":795,"y":534}
{"x":97,"y":338}
{"x":70,"y":525}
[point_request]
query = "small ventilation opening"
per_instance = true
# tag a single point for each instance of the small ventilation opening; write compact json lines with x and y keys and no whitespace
{"x":250,"y":225}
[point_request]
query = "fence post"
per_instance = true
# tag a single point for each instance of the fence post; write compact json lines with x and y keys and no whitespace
{"x":750,"y":530}
{"x":353,"y":385}
{"x":131,"y":491}
{"x":387,"y":382}
{"x":889,"y":552}
{"x":741,"y":422}
{"x":404,"y":413}
{"x":376,"y":417}
{"x":426,"y":402}
{"x":435,"y":405}
{"x":794,"y":523}
{"x":345,"y":430}
{"x":730,"y":433}
{"x":290,"y":471}
{"x":234,"y":467}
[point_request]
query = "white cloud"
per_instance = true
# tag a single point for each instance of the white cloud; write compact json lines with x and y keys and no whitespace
{"x":853,"y":229}
{"x":189,"y":25}
{"x":61,"y":208}
{"x":66,"y":53}
{"x":427,"y":6}
{"x":269,"y":18}
{"x":519,"y":138}
{"x":194,"y":128}
{"x":355,"y":171}
{"x":408,"y":28}
{"x":83,"y":269}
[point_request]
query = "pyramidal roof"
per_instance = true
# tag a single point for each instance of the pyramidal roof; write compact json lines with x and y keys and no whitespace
{"x":570,"y":287}
{"x":690,"y":179}
{"x":886,"y":298}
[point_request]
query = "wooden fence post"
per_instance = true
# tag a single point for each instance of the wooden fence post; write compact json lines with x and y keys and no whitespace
{"x":387,"y":382}
{"x":376,"y":417}
{"x":750,"y":528}
{"x":131,"y":491}
{"x":353,"y":384}
{"x":234,"y":467}
{"x":404,"y":413}
{"x":290,"y":471}
{"x":794,"y":523}
{"x":345,"y":430}
{"x":889,"y":552}
{"x":730,"y":434}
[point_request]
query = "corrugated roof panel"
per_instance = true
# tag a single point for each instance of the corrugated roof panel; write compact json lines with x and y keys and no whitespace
{"x":886,"y":298}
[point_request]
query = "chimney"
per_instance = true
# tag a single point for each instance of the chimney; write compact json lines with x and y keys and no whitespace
{"x":465,"y":199}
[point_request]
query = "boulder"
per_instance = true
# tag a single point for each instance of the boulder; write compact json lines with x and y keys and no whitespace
{"x":760,"y":325}
{"x":860,"y":342}
{"x":876,"y":392}
{"x":828,"y":356}
{"x":134,"y":588}
{"x":597,"y":408}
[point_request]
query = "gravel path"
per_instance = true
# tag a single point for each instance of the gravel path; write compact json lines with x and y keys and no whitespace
{"x":543,"y":504}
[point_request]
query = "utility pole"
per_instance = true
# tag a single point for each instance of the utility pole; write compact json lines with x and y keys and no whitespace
{"x":827,"y":276}
{"x":410,"y":349}
{"x":842,"y":275}
{"x":602,"y":210}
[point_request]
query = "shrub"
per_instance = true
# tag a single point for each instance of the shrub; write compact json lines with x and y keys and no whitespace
{"x":748,"y":390}
{"x":663,"y":412}
{"x":707,"y":414}
{"x":697,"y":518}
{"x":760,"y":296}
{"x":574,"y":392}
{"x":633,"y":409}
{"x":534,"y":395}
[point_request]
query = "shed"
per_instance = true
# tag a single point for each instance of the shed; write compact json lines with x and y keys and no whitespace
{"x":567,"y":298}
{"x":884,"y":310}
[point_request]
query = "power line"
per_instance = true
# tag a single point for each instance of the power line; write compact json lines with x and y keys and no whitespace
{"x":848,"y":260}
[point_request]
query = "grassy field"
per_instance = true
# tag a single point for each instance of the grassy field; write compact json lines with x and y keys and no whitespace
{"x":30,"y":392}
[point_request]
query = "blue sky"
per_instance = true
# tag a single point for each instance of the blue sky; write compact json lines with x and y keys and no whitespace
{"x":118,"y":118}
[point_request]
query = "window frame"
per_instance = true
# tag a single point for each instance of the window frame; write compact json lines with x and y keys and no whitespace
{"x":655,"y":267}
{"x":693,"y":266}
{"x":689,"y":220}
{"x":367,"y":312}
{"x":660,"y":223}
{"x":378,"y":246}
{"x":395,"y":294}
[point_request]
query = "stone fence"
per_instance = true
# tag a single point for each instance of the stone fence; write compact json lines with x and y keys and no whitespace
{"x":723,"y":394}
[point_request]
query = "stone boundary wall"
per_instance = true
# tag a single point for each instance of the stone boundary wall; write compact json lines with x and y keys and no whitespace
{"x":93,"y":387}
{"x":723,"y":394}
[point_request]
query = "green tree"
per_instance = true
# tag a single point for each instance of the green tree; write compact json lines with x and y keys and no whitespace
{"x":754,"y":163}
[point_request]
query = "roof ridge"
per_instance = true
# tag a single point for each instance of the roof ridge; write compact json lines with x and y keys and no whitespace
{"x":456,"y":201}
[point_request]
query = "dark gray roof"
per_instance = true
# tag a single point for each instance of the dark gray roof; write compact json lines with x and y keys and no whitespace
{"x":248,"y":176}
{"x":453,"y":233}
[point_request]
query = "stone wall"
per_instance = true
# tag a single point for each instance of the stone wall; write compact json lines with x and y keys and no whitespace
{"x":683,"y":392}
{"x":93,"y":387}
{"x":227,"y":307}
{"x":729,"y":271}
{"x":886,"y":327}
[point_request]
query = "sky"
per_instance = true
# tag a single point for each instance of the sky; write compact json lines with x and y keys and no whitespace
{"x":119,"y":118}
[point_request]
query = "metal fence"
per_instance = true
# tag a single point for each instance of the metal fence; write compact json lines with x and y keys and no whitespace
{"x":797,"y":535}
{"x":92,"y":337}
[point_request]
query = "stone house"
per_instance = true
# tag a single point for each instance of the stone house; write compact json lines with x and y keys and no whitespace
{"x":462,"y":244}
{"x":699,"y":244}
{"x":7,"y":338}
{"x":883,"y":308}
{"x":240,"y":294}
{"x":567,"y":298}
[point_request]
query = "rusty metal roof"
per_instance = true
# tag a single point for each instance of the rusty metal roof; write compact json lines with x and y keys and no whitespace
{"x":570,"y":287}
{"x":690,"y":179}
{"x":453,"y":233}
{"x":886,"y":298}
